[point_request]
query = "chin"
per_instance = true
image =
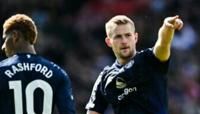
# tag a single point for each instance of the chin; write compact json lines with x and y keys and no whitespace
{"x":9,"y":54}
{"x":127,"y":56}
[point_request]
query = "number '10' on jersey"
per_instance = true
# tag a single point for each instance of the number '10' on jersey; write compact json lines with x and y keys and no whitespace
{"x":30,"y":84}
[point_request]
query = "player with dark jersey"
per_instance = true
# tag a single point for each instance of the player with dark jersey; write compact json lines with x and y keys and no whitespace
{"x":130,"y":88}
{"x":29,"y":83}
{"x":136,"y":83}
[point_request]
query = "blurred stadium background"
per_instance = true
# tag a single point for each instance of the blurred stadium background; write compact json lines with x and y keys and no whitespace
{"x":71,"y":33}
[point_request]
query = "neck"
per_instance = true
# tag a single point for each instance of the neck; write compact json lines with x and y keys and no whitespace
{"x":123,"y":61}
{"x":26,"y":49}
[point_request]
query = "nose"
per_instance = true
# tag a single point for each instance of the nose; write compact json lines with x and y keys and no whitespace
{"x":124,"y":39}
{"x":3,"y":47}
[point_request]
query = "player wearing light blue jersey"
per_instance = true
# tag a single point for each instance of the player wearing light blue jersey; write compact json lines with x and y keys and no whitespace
{"x":136,"y":83}
{"x":29,"y":83}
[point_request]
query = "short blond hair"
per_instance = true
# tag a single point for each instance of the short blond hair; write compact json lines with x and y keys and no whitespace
{"x":117,"y":20}
{"x":23,"y":23}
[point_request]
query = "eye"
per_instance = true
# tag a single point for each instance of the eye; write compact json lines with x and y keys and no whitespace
{"x":117,"y":36}
{"x":128,"y":34}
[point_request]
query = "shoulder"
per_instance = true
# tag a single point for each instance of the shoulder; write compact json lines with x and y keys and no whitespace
{"x":58,"y":68}
{"x":148,"y":54}
{"x":145,"y":54}
{"x":147,"y":57}
{"x":107,"y":69}
{"x":103,"y":73}
{"x":147,"y":51}
{"x":54,"y":67}
{"x":50,"y":63}
{"x":9,"y":61}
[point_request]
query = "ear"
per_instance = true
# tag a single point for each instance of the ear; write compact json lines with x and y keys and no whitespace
{"x":15,"y":36}
{"x":108,"y":42}
{"x":136,"y":37}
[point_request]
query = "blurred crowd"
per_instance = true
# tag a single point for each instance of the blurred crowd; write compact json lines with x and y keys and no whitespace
{"x":71,"y":33}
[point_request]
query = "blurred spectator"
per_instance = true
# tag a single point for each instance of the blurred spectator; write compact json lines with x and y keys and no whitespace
{"x":72,"y":34}
{"x":185,"y":39}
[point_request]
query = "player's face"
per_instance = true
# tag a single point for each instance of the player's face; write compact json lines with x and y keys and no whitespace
{"x":8,"y":46}
{"x":123,"y":41}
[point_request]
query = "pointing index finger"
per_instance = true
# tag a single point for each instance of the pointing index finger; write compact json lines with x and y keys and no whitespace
{"x":172,"y":19}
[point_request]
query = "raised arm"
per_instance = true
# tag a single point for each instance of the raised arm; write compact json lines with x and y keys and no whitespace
{"x":165,"y":35}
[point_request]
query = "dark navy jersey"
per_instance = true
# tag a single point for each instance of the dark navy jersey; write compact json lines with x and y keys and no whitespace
{"x":139,"y":87}
{"x":30,"y":84}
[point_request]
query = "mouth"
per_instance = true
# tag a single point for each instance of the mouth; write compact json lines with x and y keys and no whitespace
{"x":124,"y":48}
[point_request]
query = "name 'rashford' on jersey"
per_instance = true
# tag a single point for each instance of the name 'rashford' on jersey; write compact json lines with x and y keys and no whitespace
{"x":30,"y":84}
{"x":139,"y":87}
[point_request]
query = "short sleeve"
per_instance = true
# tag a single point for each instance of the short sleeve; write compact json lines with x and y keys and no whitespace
{"x":154,"y":62}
